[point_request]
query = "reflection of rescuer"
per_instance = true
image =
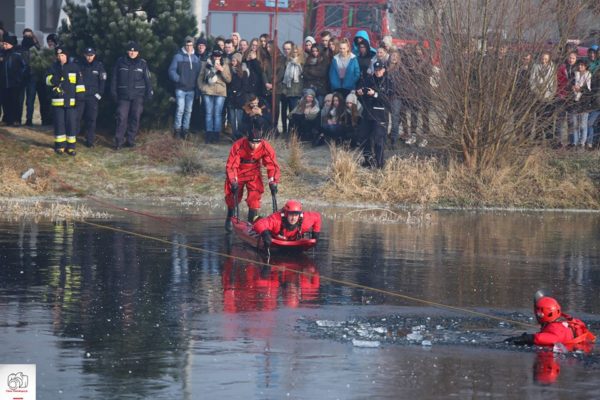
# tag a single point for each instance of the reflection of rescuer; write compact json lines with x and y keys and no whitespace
{"x":290,"y":223}
{"x":67,"y":87}
{"x":243,"y":169}
{"x":374,"y":91}
{"x":556,"y":328}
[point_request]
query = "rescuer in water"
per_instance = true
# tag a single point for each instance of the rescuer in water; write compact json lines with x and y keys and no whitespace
{"x":556,"y":327}
{"x":290,"y":223}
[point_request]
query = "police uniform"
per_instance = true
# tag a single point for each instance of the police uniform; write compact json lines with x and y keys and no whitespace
{"x":130,"y":86}
{"x":94,"y":79}
{"x":67,"y":85}
{"x":375,"y":121}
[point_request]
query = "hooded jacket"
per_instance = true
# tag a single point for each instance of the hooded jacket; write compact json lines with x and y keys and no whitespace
{"x":184,"y":70}
{"x":217,"y":86}
{"x":364,"y":35}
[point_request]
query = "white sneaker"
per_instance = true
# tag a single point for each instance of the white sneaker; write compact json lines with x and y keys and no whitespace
{"x":411,"y":140}
{"x":423,"y":143}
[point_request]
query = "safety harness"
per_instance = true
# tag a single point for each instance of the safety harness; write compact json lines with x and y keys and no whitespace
{"x":581,"y":333}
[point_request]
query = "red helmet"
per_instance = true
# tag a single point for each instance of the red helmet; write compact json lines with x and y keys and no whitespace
{"x":292,"y":206}
{"x":547,"y":310}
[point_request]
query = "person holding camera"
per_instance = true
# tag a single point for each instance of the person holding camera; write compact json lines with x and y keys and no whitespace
{"x":375,"y":93}
{"x":244,"y":161}
{"x":212,"y":82}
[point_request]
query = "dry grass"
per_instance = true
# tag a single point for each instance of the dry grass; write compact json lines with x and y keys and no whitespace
{"x":12,"y":210}
{"x":295,"y":160}
{"x":409,"y":180}
{"x":539,"y":180}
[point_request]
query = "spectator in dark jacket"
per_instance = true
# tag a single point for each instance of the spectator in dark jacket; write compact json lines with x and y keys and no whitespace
{"x":130,"y":86}
{"x":235,"y":94}
{"x":28,"y":42}
{"x":183,"y":71}
{"x":12,"y":73}
{"x":375,"y":91}
{"x":316,"y":73}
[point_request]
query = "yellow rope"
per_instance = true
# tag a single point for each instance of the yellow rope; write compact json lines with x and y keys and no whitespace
{"x":309,"y":274}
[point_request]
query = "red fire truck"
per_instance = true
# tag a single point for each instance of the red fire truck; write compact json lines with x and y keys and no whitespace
{"x":297,"y":18}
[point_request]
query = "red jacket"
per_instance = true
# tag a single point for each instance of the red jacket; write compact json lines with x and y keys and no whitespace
{"x":552,"y":333}
{"x":243,"y":163}
{"x":311,"y":221}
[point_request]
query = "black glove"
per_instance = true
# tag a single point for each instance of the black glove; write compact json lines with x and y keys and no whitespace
{"x":267,"y":240}
{"x":525,"y":339}
{"x":315,"y":235}
{"x":273,"y":187}
{"x":234,"y":187}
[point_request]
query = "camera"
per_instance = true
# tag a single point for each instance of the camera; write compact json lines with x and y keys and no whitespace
{"x":365,"y":90}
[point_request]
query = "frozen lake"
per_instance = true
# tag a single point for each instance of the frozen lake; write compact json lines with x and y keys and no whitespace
{"x":119,"y":310}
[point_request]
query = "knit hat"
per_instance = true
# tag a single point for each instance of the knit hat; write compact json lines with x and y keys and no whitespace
{"x":308,"y":92}
{"x":310,"y":39}
{"x":328,"y":97}
{"x":237,"y":56}
{"x":351,"y":98}
{"x":188,"y":39}
{"x":11,"y":39}
{"x":201,"y":40}
{"x":594,"y":47}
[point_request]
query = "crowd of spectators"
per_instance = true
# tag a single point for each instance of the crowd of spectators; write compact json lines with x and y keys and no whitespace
{"x":318,"y":88}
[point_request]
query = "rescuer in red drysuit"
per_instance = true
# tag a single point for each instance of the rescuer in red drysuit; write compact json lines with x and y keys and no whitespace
{"x":290,"y":223}
{"x":557,"y":327}
{"x":243,"y":169}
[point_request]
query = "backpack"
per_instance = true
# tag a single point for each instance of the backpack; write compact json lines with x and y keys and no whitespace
{"x":581,"y":333}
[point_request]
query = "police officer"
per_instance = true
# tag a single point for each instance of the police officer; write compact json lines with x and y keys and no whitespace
{"x":94,"y":79}
{"x":12,"y":74}
{"x":64,"y":77}
{"x":130,"y":86}
{"x":375,"y":90}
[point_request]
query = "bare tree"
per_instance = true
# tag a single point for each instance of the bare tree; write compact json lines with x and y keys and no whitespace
{"x":479,"y":98}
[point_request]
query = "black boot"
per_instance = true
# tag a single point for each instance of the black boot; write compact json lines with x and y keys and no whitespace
{"x":228,"y":223}
{"x":252,"y":214}
{"x":184,"y":133}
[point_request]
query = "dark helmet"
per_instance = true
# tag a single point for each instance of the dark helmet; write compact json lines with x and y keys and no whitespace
{"x":255,"y":136}
{"x":547,"y":310}
{"x":292,"y":207}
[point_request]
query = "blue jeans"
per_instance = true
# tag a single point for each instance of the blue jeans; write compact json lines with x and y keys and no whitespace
{"x":184,"y":109}
{"x":235,"y":119}
{"x":593,"y":117}
{"x":214,"y":112}
{"x":579,"y":133}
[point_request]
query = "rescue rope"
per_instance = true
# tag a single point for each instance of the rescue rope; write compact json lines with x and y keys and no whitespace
{"x":310,"y":274}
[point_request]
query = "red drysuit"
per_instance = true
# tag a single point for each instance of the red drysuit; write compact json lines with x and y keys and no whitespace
{"x":243,"y":166}
{"x":311,"y":221}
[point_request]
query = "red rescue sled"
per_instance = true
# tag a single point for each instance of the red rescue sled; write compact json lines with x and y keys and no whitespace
{"x":244,"y":231}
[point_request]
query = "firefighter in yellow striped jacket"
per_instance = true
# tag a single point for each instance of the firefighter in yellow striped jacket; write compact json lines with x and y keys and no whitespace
{"x":67,"y":85}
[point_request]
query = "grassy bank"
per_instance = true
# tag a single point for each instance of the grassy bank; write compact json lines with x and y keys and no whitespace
{"x":161,"y":167}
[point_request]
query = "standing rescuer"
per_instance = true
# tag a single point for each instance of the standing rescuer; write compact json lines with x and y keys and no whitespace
{"x":94,"y":79}
{"x":243,"y":169}
{"x":67,"y":86}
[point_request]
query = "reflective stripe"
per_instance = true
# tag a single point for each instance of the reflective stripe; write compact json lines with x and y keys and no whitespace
{"x":71,"y":139}
{"x":79,"y":88}
{"x":58,"y":102}
{"x":72,"y":102}
{"x":72,"y":77}
{"x":49,"y":80}
{"x":60,"y":138}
